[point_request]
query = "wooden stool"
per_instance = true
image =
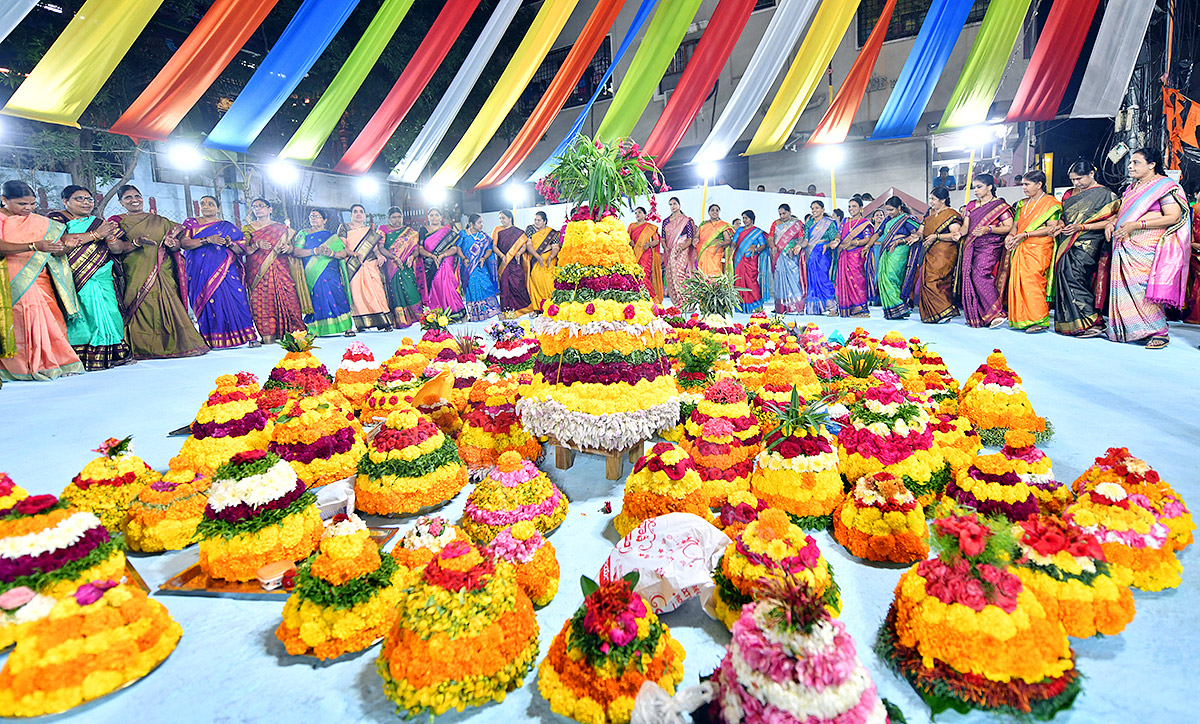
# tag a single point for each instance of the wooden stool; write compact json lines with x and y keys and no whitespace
{"x":614,"y":460}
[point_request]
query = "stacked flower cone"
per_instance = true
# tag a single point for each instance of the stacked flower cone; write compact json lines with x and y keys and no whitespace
{"x":229,"y":422}
{"x":722,"y":436}
{"x":664,"y":480}
{"x":408,"y":465}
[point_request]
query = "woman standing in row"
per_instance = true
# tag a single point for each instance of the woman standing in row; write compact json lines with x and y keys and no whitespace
{"x":850,"y":285}
{"x":820,"y":233}
{"x":937,"y":262}
{"x":511,"y":245}
{"x":213,"y":249}
{"x":439,"y":259}
{"x":751,"y":266}
{"x":155,"y":299}
{"x":986,"y":221}
{"x":541,"y":259}
{"x":97,"y":334}
{"x":713,"y":237}
{"x":399,"y":249}
{"x":645,"y":238}
{"x":1031,"y":252}
{"x":893,"y":237}
{"x":679,"y":249}
{"x":367,"y":295}
{"x":482,"y":295}
{"x":324,"y":256}
{"x":1082,"y":253}
{"x":279,"y":299}
{"x":790,"y":277}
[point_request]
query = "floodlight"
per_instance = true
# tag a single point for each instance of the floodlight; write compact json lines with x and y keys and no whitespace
{"x":515,"y":193}
{"x":434,"y":194}
{"x":366,"y":186}
{"x":283,"y":172}
{"x":184,"y":156}
{"x":830,"y":156}
{"x":707,"y":170}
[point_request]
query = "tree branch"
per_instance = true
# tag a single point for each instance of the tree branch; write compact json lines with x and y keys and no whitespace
{"x":130,"y":167}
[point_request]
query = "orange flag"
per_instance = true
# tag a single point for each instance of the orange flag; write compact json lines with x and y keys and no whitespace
{"x":834,"y":127}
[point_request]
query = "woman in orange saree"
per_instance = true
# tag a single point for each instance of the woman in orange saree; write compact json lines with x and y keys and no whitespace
{"x":1031,"y":253}
{"x":713,"y":238}
{"x":645,"y":237}
{"x":938,"y":259}
{"x":37,"y":277}
{"x":367,"y":294}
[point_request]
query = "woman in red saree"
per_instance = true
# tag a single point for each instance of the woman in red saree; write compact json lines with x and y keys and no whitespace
{"x":275,"y":300}
{"x":751,"y":267}
{"x":1031,"y":253}
{"x":679,"y":248}
{"x":644,"y":235}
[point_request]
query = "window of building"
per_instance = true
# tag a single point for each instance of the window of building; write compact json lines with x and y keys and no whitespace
{"x":763,"y":5}
{"x":906,"y":17}
{"x":583,"y":89}
{"x":671,"y":78}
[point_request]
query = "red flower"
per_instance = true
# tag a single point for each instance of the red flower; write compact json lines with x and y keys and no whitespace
{"x":35,"y":504}
{"x":590,"y":308}
{"x":552,"y":310}
{"x":790,"y":449}
{"x":248,"y":456}
{"x":630,"y":312}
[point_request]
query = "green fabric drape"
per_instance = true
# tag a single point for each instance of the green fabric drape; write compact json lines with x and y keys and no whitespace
{"x":984,"y":69}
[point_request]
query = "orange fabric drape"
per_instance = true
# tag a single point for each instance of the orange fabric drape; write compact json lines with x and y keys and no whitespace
{"x":572,"y":69}
{"x":834,"y":127}
{"x":193,"y":68}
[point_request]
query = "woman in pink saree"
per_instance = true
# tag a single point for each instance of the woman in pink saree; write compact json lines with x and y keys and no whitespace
{"x":679,"y":248}
{"x":850,"y":281}
{"x":440,"y":255}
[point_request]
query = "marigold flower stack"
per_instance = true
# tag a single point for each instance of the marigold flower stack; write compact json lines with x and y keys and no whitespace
{"x":723,"y":437}
{"x":994,"y":400}
{"x":881,"y":521}
{"x":164,"y":515}
{"x":1117,"y":465}
{"x":1033,"y":467}
{"x":345,"y":597}
{"x":406,"y":357}
{"x":492,"y":427}
{"x":299,"y":372}
{"x":108,"y":484}
{"x":229,"y":422}
{"x":466,"y":635}
{"x":418,"y":545}
{"x":739,"y":510}
{"x":357,"y":373}
{"x":258,"y":512}
{"x":605,"y":652}
{"x":992,"y":485}
{"x":789,"y":369}
{"x":319,"y":438}
{"x":408,"y":465}
{"x":510,"y":347}
{"x":664,"y":480}
{"x":797,"y":472}
{"x":532,"y":557}
{"x":394,"y":390}
{"x":468,"y":368}
{"x":513,"y":492}
{"x":956,"y":440}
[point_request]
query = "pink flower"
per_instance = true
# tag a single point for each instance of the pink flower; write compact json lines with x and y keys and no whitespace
{"x":590,"y":308}
{"x":552,"y":310}
{"x":89,"y":593}
{"x":630,"y":312}
{"x":35,"y":504}
{"x":16,"y":597}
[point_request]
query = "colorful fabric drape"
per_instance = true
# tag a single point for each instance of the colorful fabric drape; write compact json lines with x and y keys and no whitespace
{"x":543,"y":31}
{"x":192,"y":69}
{"x":921,"y":71}
{"x":1048,"y":74}
{"x":12,"y":14}
{"x":400,"y":99}
{"x":703,"y":69}
{"x":74,"y":69}
{"x":835,"y":125}
{"x":1183,"y":122}
{"x":772,"y":52}
{"x":986,"y":63}
{"x":808,"y":68}
{"x":1110,"y":67}
{"x":639,"y":19}
{"x":303,"y":40}
{"x":306,"y":143}
{"x":663,"y":36}
{"x":438,"y":124}
{"x":565,"y":81}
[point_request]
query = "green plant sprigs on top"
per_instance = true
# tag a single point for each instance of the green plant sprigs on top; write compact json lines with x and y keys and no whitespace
{"x":710,"y":295}
{"x":601,"y":176}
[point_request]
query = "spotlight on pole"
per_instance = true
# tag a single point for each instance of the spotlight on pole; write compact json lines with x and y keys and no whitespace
{"x":707,"y":170}
{"x":515,"y":193}
{"x":184,"y":156}
{"x":978,"y":136}
{"x":283,"y":172}
{"x":366,"y":186}
{"x":830,"y":156}
{"x":434,"y":195}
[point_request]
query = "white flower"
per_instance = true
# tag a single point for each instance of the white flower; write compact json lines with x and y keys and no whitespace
{"x":254,"y":490}
{"x":351,"y":524}
{"x":1111,"y":491}
{"x":67,"y":532}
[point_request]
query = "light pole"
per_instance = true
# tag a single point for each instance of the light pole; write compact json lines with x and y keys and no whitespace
{"x":830,"y":156}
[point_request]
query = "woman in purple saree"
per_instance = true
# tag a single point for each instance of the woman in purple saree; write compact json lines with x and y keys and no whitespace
{"x":986,"y":221}
{"x":850,"y":280}
{"x":216,"y":291}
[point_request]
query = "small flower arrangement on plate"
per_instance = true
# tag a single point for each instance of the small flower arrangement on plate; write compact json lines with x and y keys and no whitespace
{"x":881,"y":521}
{"x":510,"y":347}
{"x":410,"y":464}
{"x":992,"y":485}
{"x":664,"y":480}
{"x":299,"y":372}
{"x":229,"y":422}
{"x":513,"y":492}
{"x":406,"y":357}
{"x":994,"y":400}
{"x":357,"y":373}
{"x":421,"y":542}
{"x":1033,"y":467}
{"x":108,"y":484}
{"x":1136,"y":541}
{"x":166,"y":512}
{"x":1136,"y":476}
{"x":491,"y":427}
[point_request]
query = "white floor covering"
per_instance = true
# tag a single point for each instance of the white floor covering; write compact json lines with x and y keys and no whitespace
{"x":229,"y":667}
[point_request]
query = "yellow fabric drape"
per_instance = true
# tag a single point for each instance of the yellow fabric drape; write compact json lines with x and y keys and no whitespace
{"x":521,"y":67}
{"x":72,"y":72}
{"x":824,"y":36}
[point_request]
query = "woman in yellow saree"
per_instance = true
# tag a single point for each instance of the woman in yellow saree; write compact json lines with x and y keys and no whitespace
{"x":646,"y":239}
{"x":542,"y":259}
{"x":715,"y":236}
{"x":1031,"y":250}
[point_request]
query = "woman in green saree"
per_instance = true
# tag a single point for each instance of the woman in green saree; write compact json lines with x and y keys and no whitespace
{"x":325,"y":273}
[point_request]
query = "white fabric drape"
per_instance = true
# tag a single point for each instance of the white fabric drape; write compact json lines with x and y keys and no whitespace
{"x":410,"y":167}
{"x":790,"y":19}
{"x":12,"y":13}
{"x":1111,"y":66}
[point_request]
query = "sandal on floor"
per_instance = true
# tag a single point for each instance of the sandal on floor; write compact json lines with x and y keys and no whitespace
{"x":998,"y":322}
{"x":1157,"y":343}
{"x":255,"y":343}
{"x":1090,"y":332}
{"x":1036,"y":329}
{"x":349,"y":333}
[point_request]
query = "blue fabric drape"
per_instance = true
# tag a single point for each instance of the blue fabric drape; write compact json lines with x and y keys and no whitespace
{"x":643,"y":14}
{"x":921,"y":71}
{"x":303,"y":40}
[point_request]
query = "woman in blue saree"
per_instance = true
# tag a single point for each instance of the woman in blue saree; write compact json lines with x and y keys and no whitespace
{"x":751,"y":267}
{"x":325,"y":274}
{"x":819,"y":232}
{"x":480,"y":291}
{"x":212,"y":256}
{"x":894,"y":237}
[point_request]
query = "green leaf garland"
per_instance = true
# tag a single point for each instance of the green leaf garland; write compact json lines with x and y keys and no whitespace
{"x":447,"y":454}
{"x":210,"y":528}
{"x":348,"y":594}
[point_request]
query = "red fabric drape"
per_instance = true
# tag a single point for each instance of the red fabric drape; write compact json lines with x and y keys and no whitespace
{"x":399,"y":101}
{"x":572,"y":69}
{"x":835,"y":125}
{"x":1045,"y":80}
{"x":706,"y":64}
{"x":193,"y":68}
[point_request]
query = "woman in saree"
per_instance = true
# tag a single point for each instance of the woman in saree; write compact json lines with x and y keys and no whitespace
{"x":38,"y":290}
{"x":644,"y":235}
{"x":751,"y":267}
{"x":325,"y":275}
{"x":542,"y":259}
{"x":510,"y":246}
{"x":679,"y":250}
{"x":789,"y":280}
{"x":480,"y":292}
{"x":275,"y":299}
{"x":440,"y":255}
{"x":399,"y":248}
{"x":213,"y":249}
{"x":368,"y":298}
{"x":850,"y":280}
{"x":819,"y":232}
{"x":97,"y":334}
{"x":986,"y":221}
{"x":872,"y":254}
{"x":937,"y":259}
{"x":713,"y":238}
{"x":894,"y":238}
{"x":155,"y":297}
{"x":1087,"y":209}
{"x":1151,"y":238}
{"x":1031,"y":254}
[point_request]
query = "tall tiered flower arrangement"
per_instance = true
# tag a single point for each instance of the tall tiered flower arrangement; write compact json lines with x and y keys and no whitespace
{"x":356,"y":374}
{"x":299,"y":372}
{"x":601,"y":379}
{"x":108,"y":484}
{"x":994,"y":399}
{"x":722,"y":436}
{"x":229,"y":422}
{"x":797,"y":471}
